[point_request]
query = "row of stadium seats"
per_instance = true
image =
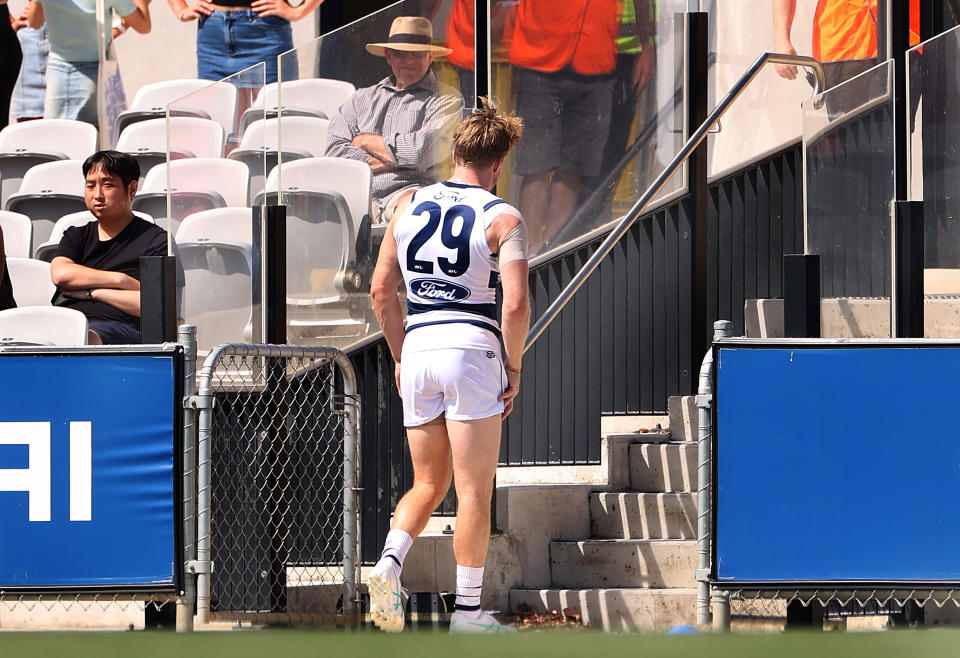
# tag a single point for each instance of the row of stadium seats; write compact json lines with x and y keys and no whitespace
{"x":18,"y":233}
{"x":53,"y":190}
{"x":215,"y":248}
{"x":328,"y":199}
{"x":204,"y":107}
{"x":22,"y":149}
{"x":328,"y":228}
{"x":316,"y":97}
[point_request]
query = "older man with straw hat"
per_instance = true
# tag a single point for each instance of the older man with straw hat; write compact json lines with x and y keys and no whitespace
{"x":401,"y":125}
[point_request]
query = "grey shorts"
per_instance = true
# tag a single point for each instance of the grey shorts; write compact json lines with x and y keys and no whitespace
{"x":566,"y":121}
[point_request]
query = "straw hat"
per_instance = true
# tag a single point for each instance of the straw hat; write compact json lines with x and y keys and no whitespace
{"x":410,"y":33}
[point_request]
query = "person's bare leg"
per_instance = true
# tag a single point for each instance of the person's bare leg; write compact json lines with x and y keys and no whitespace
{"x":476,"y":446}
{"x":93,"y":338}
{"x":534,"y":204}
{"x":564,"y":191}
{"x":430,"y":453}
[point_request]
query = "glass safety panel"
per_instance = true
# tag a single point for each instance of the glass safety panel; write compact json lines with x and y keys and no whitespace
{"x":218,"y":154}
{"x":849,"y":160}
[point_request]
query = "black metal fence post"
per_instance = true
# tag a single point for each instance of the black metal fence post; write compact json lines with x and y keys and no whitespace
{"x":801,"y":296}
{"x":158,"y":299}
{"x":270,"y":222}
{"x":908,"y":269}
{"x":698,"y":81}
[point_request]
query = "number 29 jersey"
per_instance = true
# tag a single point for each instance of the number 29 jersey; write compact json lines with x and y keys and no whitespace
{"x":450,"y":274}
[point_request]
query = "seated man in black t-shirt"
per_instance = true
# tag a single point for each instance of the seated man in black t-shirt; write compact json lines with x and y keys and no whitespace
{"x":97,"y":267}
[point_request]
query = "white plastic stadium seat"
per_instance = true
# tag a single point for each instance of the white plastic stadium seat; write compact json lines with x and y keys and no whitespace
{"x":31,"y":282}
{"x":17,"y":234}
{"x":350,"y":178}
{"x":215,"y":248}
{"x":197,"y":183}
{"x":23,"y":145}
{"x":46,"y":251}
{"x":43,"y":325}
{"x":259,"y":149}
{"x":48,"y":192}
{"x":190,"y":137}
{"x":189,"y":97}
{"x":327,"y":202}
{"x":324,"y":94}
{"x":318,"y":97}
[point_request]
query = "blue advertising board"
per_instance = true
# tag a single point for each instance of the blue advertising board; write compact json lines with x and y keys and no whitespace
{"x":90,"y":469}
{"x":836,"y":463}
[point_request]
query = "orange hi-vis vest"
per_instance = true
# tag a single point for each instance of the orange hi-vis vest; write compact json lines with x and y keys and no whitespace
{"x":460,"y":34}
{"x":551,"y":35}
{"x":847,"y":29}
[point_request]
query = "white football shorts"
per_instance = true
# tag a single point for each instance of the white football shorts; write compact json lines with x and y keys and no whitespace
{"x":462,"y":384}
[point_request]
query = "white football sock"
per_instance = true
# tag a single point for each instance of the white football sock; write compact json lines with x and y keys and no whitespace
{"x":469,"y":582}
{"x":396,"y":547}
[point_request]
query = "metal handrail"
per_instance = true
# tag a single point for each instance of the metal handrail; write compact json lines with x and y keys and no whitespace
{"x":698,"y":136}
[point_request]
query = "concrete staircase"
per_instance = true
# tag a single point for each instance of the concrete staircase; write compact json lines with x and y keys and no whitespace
{"x":635,"y":569}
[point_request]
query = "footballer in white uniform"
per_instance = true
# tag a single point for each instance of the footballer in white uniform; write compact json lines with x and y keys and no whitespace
{"x":452,"y":246}
{"x":452,"y":362}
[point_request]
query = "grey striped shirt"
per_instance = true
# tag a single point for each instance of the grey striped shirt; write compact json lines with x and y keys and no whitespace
{"x":416,"y":124}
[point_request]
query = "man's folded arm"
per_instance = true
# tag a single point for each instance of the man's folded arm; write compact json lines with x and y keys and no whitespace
{"x":127,"y":301}
{"x":340,"y":134}
{"x":424,"y":148}
{"x":67,"y":275}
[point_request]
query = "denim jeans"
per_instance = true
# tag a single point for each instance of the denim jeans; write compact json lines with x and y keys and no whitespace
{"x":71,"y":90}
{"x":28,"y":95}
{"x":229,"y":41}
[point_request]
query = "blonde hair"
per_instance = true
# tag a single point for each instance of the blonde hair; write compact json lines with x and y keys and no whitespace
{"x":486,"y":135}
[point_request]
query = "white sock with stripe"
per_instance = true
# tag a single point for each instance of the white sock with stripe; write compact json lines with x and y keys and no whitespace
{"x":469,"y":583}
{"x":396,"y":546}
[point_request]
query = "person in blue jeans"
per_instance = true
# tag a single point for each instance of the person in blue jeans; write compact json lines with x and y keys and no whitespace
{"x":231,"y":38}
{"x":28,"y":96}
{"x":74,"y":62}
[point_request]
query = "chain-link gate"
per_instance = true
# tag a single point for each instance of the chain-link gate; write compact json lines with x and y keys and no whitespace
{"x":278,"y":525}
{"x":769,"y":609}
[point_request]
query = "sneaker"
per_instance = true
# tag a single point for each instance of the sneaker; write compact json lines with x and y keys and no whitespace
{"x":386,"y":596}
{"x":463,"y":622}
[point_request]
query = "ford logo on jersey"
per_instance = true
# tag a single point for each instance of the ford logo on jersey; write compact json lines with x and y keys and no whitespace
{"x":436,"y":289}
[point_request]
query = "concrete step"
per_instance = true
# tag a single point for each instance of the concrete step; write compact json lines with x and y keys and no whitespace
{"x":655,"y":563}
{"x":668,"y":467}
{"x":629,"y":515}
{"x":683,"y":417}
{"x":624,"y":609}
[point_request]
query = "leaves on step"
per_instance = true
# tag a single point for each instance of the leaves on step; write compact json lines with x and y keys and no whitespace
{"x":525,"y":617}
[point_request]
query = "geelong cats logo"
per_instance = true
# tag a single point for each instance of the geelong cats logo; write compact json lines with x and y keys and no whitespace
{"x":442,"y":290}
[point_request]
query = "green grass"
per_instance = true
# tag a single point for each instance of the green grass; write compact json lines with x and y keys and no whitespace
{"x":294,"y":643}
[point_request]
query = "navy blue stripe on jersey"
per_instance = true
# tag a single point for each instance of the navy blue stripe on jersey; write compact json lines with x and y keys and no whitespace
{"x":492,"y":204}
{"x":462,"y":186}
{"x":486,"y":310}
{"x":475,"y":323}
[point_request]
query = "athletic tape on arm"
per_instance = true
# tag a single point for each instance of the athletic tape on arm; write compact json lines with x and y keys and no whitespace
{"x":514,"y":246}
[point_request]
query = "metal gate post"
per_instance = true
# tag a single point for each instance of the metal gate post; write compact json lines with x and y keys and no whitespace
{"x":351,"y":461}
{"x":204,"y":402}
{"x":721,"y":611}
{"x":721,"y":329}
{"x":187,"y":336}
